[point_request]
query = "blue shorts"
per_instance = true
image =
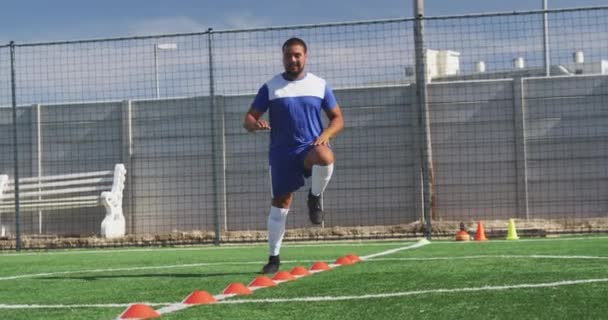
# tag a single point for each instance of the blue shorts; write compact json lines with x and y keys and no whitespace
{"x":287,"y":172}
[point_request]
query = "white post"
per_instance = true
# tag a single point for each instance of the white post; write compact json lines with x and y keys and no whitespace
{"x":39,"y":161}
{"x":3,"y":183}
{"x":156,"y":71}
{"x":547,"y":58}
{"x":161,"y":46}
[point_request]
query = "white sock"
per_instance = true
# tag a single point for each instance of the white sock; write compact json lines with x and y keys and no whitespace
{"x":276,"y":229}
{"x":320,"y":178}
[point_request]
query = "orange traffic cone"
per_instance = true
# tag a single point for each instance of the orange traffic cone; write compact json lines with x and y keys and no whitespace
{"x":139,"y":311}
{"x":480,"y":235}
{"x":199,"y":297}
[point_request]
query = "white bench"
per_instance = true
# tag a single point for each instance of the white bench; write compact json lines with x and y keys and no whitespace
{"x":77,"y":190}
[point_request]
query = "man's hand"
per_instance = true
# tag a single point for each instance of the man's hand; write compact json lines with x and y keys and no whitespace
{"x":262,"y":124}
{"x":254,"y":122}
{"x":322,"y":140}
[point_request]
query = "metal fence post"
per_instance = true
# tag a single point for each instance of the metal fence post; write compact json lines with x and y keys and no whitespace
{"x":424,"y":122}
{"x":218,"y":161}
{"x":15,"y":150}
{"x":521,"y":162}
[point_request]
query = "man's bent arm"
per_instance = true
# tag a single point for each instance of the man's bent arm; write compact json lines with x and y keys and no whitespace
{"x":336,"y":123}
{"x":252,"y":121}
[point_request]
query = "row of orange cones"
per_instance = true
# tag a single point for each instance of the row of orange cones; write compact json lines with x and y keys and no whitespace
{"x":143,"y":311}
{"x":480,"y":234}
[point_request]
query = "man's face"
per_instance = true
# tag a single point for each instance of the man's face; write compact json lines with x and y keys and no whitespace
{"x":294,"y":59}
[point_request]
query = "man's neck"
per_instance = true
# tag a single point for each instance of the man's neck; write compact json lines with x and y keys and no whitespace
{"x":289,"y":77}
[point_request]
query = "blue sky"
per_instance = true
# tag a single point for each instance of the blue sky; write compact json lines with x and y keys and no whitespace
{"x":44,"y":20}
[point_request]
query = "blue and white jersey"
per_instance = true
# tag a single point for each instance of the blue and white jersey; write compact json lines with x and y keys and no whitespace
{"x":294,"y":110}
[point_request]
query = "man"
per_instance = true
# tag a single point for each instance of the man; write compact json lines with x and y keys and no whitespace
{"x":299,"y":146}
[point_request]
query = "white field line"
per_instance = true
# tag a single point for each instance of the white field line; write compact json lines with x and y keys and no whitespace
{"x":200,"y":247}
{"x":532,"y":256}
{"x":429,"y":291}
{"x":345,"y":243}
{"x":420,"y":243}
{"x":522,"y":240}
{"x":328,"y":298}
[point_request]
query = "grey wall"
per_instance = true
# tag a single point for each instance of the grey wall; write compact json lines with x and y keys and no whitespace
{"x":171,"y":177}
{"x":528,"y":148}
{"x":473,"y":144}
{"x":567,"y":146}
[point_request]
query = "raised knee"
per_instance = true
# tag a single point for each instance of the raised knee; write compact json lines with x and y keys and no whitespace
{"x":326,"y":159}
{"x":324,"y":156}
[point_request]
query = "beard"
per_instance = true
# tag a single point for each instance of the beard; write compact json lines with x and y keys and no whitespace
{"x":294,"y":71}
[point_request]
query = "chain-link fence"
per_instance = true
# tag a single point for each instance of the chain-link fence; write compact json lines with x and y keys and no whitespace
{"x":516,"y":126}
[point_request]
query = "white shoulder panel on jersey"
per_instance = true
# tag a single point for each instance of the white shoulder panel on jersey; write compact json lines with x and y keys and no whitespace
{"x":309,"y":86}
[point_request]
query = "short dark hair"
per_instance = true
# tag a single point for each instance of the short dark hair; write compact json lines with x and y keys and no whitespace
{"x":294,"y":41}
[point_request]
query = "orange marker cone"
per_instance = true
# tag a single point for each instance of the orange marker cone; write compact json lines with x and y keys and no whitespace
{"x":199,"y":297}
{"x":462,"y":234}
{"x":480,"y":235}
{"x":283,"y":276}
{"x":353,"y":258}
{"x":262,"y":281}
{"x":320,"y":266}
{"x":343,"y":261}
{"x":299,"y":271}
{"x":237,"y":288}
{"x":139,"y":311}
